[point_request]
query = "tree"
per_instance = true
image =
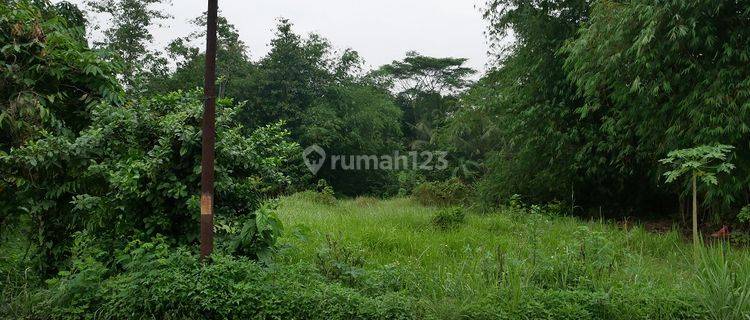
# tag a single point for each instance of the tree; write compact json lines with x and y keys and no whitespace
{"x":235,"y":72}
{"x":704,"y":163}
{"x":472,"y":132}
{"x":533,"y":103}
{"x":295,"y":73}
{"x":656,"y":76}
{"x":353,"y":119}
{"x":51,"y":99}
{"x":134,"y":172}
{"x":129,"y":37}
{"x":426,"y":89}
{"x":50,"y":80}
{"x":418,"y":73}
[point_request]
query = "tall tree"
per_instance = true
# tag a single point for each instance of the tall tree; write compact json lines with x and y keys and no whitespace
{"x":294,"y":73}
{"x":532,"y":100}
{"x":426,"y":89}
{"x":128,"y":37}
{"x":659,"y":76}
{"x":418,"y":73}
{"x":50,"y":80}
{"x":234,"y":70}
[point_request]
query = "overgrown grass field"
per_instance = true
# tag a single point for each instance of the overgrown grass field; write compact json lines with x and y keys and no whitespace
{"x":517,"y":261}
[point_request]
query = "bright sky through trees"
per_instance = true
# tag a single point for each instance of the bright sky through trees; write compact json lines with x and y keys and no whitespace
{"x":382,"y":31}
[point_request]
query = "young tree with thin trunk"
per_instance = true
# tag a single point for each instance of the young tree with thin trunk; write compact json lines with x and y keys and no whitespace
{"x":704,"y":163}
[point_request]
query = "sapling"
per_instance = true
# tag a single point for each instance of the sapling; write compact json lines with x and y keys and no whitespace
{"x":704,"y":163}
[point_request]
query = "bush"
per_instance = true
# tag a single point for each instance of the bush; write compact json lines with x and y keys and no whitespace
{"x":408,"y":181}
{"x":744,"y":215}
{"x":326,"y":192}
{"x":323,"y":194}
{"x":258,"y":233}
{"x":49,"y":80}
{"x":450,"y":192}
{"x":159,"y":282}
{"x":449,"y":218}
{"x":339,"y":262}
{"x":135,"y":172}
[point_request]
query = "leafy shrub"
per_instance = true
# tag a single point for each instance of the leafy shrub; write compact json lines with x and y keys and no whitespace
{"x":49,"y":79}
{"x":258,"y":233}
{"x":516,"y":202}
{"x":408,"y":180}
{"x":326,"y":191}
{"x":339,"y":262}
{"x":744,"y":215}
{"x":74,"y":290}
{"x":449,"y":218}
{"x":159,"y":282}
{"x":449,"y":192}
{"x":135,"y":171}
{"x":740,"y":239}
{"x":323,"y":194}
{"x":49,"y":76}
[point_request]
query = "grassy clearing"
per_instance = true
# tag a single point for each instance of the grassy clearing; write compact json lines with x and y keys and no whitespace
{"x":500,"y":258}
{"x":395,"y":259}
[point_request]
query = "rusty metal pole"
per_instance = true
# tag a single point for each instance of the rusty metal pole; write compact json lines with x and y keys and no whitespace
{"x":209,"y":135}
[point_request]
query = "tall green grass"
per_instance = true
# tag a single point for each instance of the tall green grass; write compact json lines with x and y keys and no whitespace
{"x":502,"y":258}
{"x":397,"y":257}
{"x":723,"y":282}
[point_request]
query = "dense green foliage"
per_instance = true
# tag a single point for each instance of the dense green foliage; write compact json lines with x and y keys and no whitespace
{"x":426,"y":89}
{"x":653,"y":83}
{"x":79,"y":158}
{"x":319,"y":94}
{"x":49,"y":76}
{"x":587,"y":106}
{"x":590,"y":95}
{"x":157,"y":281}
{"x":135,"y":171}
{"x":127,"y":37}
{"x":50,"y":81}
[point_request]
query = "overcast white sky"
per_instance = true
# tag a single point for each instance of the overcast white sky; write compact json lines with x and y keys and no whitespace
{"x":381,"y":30}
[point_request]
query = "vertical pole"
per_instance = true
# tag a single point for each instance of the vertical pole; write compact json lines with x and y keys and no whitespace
{"x":209,"y":135}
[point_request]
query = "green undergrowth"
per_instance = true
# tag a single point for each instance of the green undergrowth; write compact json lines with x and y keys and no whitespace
{"x":515,"y":264}
{"x":155,"y":281}
{"x":367,"y":258}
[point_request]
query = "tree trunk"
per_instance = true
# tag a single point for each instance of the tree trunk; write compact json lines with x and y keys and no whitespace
{"x":683,"y":210}
{"x":695,"y":212}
